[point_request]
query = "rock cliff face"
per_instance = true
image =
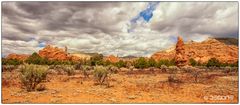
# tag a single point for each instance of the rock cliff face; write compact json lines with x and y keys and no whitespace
{"x":54,"y":53}
{"x":203,"y":51}
{"x":17,"y":56}
{"x":180,"y":56}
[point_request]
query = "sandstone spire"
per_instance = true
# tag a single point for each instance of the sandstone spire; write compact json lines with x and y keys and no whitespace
{"x":180,"y":57}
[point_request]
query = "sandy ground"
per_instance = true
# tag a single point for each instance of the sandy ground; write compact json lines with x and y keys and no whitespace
{"x":124,"y":88}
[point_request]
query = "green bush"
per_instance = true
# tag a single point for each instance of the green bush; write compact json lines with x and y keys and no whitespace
{"x":11,"y":62}
{"x":69,"y":69}
{"x":141,"y":63}
{"x":100,"y":74}
{"x":152,"y":63}
{"x":96,"y":59}
{"x":35,"y":59}
{"x":120,"y":64}
{"x":234,"y":64}
{"x":165,"y":62}
{"x":107,"y":62}
{"x":213,"y":62}
{"x":193,"y":62}
{"x":32,"y":75}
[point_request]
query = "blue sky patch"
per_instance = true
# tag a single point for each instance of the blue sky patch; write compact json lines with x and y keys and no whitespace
{"x":146,"y":15}
{"x":41,"y":44}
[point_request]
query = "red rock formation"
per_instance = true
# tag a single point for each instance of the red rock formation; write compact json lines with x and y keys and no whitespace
{"x":17,"y":56}
{"x":164,"y":55}
{"x":53,"y":53}
{"x":203,"y":51}
{"x":112,"y":58}
{"x":180,"y":56}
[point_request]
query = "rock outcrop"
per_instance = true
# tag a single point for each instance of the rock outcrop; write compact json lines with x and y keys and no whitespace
{"x":112,"y":58}
{"x":203,"y":51}
{"x":17,"y":56}
{"x":54,"y":53}
{"x":180,"y":56}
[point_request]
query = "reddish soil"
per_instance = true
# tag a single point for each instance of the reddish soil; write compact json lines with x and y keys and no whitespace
{"x":124,"y":88}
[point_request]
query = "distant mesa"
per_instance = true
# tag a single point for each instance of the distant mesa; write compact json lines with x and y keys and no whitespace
{"x":203,"y":51}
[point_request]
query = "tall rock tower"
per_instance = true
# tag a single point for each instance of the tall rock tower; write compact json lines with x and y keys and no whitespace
{"x":180,"y":57}
{"x":66,"y":49}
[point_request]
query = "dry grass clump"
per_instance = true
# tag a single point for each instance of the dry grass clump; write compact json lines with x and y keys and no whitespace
{"x":8,"y":68}
{"x":100,"y":74}
{"x":32,"y":75}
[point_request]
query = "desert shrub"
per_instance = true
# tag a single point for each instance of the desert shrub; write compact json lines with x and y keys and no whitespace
{"x":173,"y":79}
{"x":233,"y":64}
{"x":165,"y":62}
{"x":152,"y":63}
{"x":11,"y":62}
{"x":112,"y":69}
{"x":58,"y":62}
{"x":163,"y":68}
{"x":32,"y":75}
{"x":173,"y":69}
{"x":41,"y":87}
{"x":141,"y":63}
{"x":85,"y":70}
{"x":69,"y":69}
{"x":193,"y":62}
{"x":120,"y":64}
{"x":35,"y":59}
{"x":197,"y":75}
{"x":78,"y":66}
{"x":107,"y":62}
{"x":96,"y":59}
{"x":51,"y":66}
{"x":100,"y":74}
{"x":8,"y":68}
{"x":213,"y":62}
{"x":129,"y":64}
{"x":83,"y":62}
{"x":151,"y":69}
{"x":172,"y":62}
{"x":227,"y":69}
{"x":62,"y":69}
{"x":188,"y":69}
{"x":131,"y":68}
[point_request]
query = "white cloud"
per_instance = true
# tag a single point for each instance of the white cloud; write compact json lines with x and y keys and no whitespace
{"x":102,"y":27}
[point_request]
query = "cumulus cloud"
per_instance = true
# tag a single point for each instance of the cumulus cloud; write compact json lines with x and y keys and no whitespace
{"x":104,"y":26}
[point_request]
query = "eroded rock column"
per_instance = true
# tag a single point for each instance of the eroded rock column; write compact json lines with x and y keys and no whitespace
{"x":180,"y":57}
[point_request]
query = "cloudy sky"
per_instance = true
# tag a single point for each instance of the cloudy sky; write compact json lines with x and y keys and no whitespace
{"x":119,"y":28}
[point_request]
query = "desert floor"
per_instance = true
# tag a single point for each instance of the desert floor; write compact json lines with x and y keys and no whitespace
{"x":125,"y":87}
